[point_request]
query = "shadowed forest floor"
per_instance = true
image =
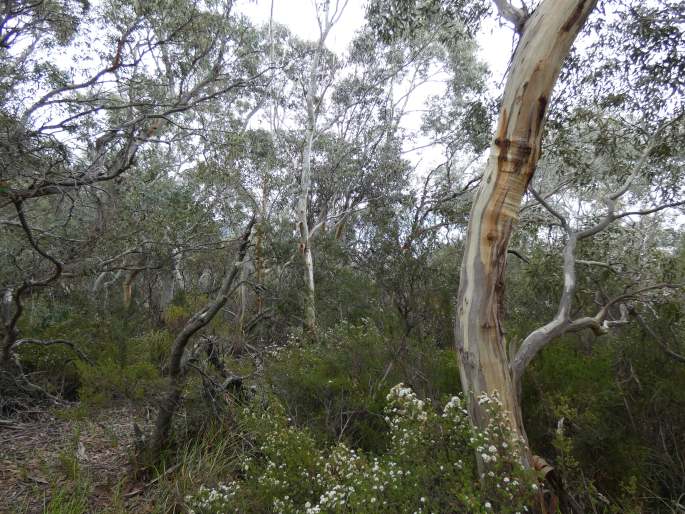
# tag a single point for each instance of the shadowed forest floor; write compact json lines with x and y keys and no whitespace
{"x":45,"y":459}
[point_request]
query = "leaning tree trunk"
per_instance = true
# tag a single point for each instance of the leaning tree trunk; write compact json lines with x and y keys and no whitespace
{"x":546,"y":38}
{"x":178,"y":370}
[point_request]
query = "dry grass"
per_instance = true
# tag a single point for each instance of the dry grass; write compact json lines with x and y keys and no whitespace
{"x":63,"y":464}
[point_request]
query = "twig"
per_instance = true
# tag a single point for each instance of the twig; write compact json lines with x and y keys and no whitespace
{"x":152,"y":482}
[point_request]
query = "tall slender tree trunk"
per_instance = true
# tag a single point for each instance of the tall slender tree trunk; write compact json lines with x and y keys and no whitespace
{"x":313,"y":103}
{"x":258,"y":258}
{"x":8,"y":328}
{"x":546,"y":37}
{"x":303,"y":225}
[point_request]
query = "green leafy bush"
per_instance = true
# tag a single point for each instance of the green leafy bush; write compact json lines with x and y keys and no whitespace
{"x":130,"y":370}
{"x":429,"y":465}
{"x":108,"y":381}
{"x":336,"y":385}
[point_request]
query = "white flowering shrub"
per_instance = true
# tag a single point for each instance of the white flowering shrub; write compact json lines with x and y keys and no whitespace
{"x":429,"y":466}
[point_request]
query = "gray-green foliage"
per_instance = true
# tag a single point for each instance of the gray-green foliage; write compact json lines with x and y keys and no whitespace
{"x":387,"y":244}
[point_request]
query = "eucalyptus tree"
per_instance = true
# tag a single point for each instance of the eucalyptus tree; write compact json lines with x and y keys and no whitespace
{"x":364,"y":173}
{"x":73,"y":124}
{"x":487,"y":363}
{"x":441,"y":52}
{"x":245,"y":173}
{"x":545,"y":37}
{"x":581,"y":221}
{"x":327,"y":17}
{"x":355,"y":157}
{"x":610,"y":182}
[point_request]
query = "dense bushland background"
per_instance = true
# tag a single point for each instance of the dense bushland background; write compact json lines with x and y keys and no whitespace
{"x":130,"y":168}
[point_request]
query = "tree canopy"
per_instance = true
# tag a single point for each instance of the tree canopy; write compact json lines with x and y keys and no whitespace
{"x":316,"y":281}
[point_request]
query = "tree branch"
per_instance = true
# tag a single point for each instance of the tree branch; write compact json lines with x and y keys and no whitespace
{"x":177,"y":370}
{"x":662,"y":344}
{"x":51,"y":342}
{"x":511,"y":13}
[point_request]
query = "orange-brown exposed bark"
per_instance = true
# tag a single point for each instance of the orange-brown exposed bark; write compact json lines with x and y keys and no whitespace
{"x":546,"y":38}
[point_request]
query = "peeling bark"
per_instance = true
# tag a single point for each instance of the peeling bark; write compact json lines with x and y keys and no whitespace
{"x":127,"y":287}
{"x":546,"y":38}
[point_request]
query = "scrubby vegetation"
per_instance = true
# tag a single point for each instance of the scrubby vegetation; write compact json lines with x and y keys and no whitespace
{"x":240,"y":274}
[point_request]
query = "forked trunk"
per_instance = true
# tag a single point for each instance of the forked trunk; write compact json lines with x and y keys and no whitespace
{"x":546,"y":38}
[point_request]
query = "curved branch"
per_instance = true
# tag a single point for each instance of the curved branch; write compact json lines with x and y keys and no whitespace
{"x":562,"y":324}
{"x":51,"y":342}
{"x":18,"y":204}
{"x":548,"y":207}
{"x":10,"y":322}
{"x":542,"y":336}
{"x":177,"y":371}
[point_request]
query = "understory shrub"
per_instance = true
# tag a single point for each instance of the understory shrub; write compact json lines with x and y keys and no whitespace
{"x":337,"y":384}
{"x":429,"y":465}
{"x":130,"y":371}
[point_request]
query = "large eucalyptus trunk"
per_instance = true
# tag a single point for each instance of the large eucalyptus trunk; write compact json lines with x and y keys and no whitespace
{"x":546,"y":37}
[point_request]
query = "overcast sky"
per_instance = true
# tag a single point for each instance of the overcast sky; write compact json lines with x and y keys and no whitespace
{"x":494,"y":40}
{"x":495,"y":43}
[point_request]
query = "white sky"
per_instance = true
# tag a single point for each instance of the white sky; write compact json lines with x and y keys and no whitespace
{"x":494,"y":41}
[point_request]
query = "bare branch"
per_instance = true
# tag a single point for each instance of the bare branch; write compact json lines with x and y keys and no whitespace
{"x":612,"y":198}
{"x":662,"y":344}
{"x":542,"y":336}
{"x":651,"y":210}
{"x":511,"y":13}
{"x":51,"y":342}
{"x":29,"y":235}
{"x":562,"y":322}
{"x":549,"y":208}
{"x":597,"y":263}
{"x":643,"y":158}
{"x":519,"y":255}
